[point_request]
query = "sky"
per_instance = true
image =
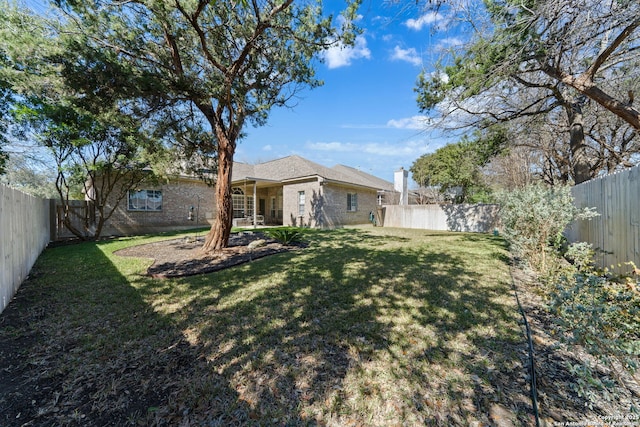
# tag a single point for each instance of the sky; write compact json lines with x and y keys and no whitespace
{"x":365,"y":115}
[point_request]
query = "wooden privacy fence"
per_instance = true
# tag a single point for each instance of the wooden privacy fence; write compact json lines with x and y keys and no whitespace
{"x":79,"y":217}
{"x":480,"y":218}
{"x":615,"y":234}
{"x":25,"y":230}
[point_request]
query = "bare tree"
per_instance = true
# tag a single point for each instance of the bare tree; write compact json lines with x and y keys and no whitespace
{"x":528,"y":59}
{"x":515,"y":168}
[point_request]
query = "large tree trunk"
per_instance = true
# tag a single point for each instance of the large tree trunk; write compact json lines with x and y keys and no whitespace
{"x":579,"y":162}
{"x":218,"y":237}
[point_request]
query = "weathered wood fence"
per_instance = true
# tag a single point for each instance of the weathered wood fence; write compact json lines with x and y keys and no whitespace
{"x":615,"y":234}
{"x":479,"y":218}
{"x":25,"y":230}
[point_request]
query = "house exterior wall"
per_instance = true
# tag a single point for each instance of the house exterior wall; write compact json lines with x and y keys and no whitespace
{"x":290,"y":212}
{"x":276,"y":199}
{"x":326,"y":205}
{"x":177,"y":197}
{"x":336,"y":204}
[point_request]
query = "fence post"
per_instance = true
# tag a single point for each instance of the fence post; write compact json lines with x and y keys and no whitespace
{"x":53,"y":220}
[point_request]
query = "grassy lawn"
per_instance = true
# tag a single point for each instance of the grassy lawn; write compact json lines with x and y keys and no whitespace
{"x":368,"y":326}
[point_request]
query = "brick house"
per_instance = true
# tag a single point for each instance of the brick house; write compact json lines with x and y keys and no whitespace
{"x":287,"y":191}
{"x":297,"y":191}
{"x":181,"y":202}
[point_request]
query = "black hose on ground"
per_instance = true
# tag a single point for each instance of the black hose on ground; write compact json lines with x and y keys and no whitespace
{"x":532,"y":368}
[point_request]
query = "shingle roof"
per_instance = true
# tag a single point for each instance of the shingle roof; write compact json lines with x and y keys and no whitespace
{"x":359,"y":177}
{"x":293,"y":167}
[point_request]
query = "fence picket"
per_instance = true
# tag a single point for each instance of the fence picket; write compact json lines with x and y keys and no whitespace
{"x":24,"y":233}
{"x":615,"y":234}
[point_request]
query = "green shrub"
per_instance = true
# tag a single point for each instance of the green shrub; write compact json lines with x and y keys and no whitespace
{"x":581,"y":255}
{"x":286,"y":235}
{"x":602,"y":314}
{"x":596,"y":311}
{"x":533,"y":219}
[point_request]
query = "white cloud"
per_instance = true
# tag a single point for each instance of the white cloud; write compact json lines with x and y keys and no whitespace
{"x":424,"y":21}
{"x":341,"y":55}
{"x":441,"y":75}
{"x":450,"y":41}
{"x":410,"y":148}
{"x":409,"y":55}
{"x":267,"y":147}
{"x":332,"y":146}
{"x":414,"y":122}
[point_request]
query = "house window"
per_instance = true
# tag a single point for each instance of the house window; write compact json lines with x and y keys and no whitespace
{"x":273,"y":207}
{"x":352,"y":202}
{"x":145,"y":200}
{"x":301,"y":202}
{"x":239,"y":201}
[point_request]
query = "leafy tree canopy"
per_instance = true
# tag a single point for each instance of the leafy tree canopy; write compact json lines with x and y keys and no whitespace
{"x":537,"y":44}
{"x":6,"y":98}
{"x":4,"y":101}
{"x":99,"y":147}
{"x":221,"y":63}
{"x":460,"y":164}
{"x":529,"y":58}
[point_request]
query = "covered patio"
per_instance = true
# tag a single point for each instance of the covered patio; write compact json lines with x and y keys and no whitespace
{"x":263,"y":194}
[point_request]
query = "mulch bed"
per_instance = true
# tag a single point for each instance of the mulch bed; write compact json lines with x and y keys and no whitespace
{"x":185,"y":257}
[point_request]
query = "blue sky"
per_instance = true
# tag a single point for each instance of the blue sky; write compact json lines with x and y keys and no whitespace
{"x":365,"y":115}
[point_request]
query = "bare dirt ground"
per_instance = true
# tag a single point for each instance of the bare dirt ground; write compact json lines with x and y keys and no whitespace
{"x":28,"y":398}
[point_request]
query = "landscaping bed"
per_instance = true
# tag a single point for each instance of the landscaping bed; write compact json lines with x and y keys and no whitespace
{"x":184,"y":256}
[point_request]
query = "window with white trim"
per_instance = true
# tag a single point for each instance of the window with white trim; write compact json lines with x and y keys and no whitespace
{"x":352,"y":202}
{"x":301,"y":202}
{"x":145,"y":200}
{"x":273,"y":207}
{"x":238,"y":200}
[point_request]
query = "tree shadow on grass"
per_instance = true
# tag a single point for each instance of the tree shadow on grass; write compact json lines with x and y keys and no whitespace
{"x":80,"y":348}
{"x":357,"y":328}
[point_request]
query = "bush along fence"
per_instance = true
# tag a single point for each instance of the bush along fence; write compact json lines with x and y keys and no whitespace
{"x":25,"y":230}
{"x":615,"y":234}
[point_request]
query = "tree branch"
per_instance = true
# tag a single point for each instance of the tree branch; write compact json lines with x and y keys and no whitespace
{"x":604,"y":55}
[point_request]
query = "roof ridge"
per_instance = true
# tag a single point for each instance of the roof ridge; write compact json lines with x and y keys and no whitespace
{"x":281,"y":158}
{"x":295,"y":166}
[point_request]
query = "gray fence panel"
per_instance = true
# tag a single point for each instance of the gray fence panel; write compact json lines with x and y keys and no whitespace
{"x":447,"y":217}
{"x":615,"y":234}
{"x":24,"y":232}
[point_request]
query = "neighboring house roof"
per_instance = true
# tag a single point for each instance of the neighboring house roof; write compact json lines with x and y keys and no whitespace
{"x":295,"y":167}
